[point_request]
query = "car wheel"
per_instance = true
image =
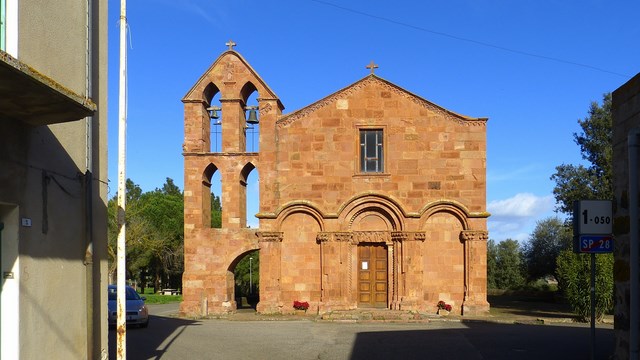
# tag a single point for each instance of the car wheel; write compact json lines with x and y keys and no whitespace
{"x":145,"y":324}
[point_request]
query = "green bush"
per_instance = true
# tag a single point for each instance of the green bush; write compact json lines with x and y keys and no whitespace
{"x":574,"y":280}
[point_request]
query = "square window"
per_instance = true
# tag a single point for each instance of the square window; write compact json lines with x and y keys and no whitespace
{"x":371,"y":151}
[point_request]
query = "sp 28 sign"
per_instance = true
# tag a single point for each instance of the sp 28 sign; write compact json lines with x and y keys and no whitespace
{"x":595,"y":244}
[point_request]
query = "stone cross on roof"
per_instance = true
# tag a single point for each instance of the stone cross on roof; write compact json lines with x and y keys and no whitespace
{"x":230,"y":44}
{"x":372,"y":66}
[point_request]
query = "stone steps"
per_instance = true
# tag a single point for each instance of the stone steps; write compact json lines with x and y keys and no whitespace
{"x":377,"y":315}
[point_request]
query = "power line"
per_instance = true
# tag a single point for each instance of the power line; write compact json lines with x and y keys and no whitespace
{"x":481,"y":43}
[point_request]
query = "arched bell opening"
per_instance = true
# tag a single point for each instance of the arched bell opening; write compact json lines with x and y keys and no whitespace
{"x":253,"y":199}
{"x":249,"y":196}
{"x":250,"y":96}
{"x":215,"y":115}
{"x":211,"y":202}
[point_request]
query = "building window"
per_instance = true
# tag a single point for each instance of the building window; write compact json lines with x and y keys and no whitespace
{"x":3,"y":27}
{"x":371,"y":151}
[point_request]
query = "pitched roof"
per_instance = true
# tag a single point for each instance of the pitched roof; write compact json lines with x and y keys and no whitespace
{"x":373,"y":78}
{"x":193,"y":95}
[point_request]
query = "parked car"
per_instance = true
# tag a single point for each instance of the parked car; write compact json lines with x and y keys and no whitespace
{"x":137,"y":312}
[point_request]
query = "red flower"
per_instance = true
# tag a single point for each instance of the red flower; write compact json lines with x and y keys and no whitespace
{"x":444,"y":306}
{"x":300,"y":305}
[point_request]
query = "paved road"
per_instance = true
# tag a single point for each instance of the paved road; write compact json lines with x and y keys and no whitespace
{"x":170,"y":338}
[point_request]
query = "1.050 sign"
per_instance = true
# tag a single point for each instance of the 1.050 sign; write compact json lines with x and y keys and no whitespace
{"x":592,"y":217}
{"x":596,"y":220}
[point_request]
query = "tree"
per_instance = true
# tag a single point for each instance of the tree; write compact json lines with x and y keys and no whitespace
{"x":137,"y":227}
{"x":163,"y":250}
{"x":549,"y":237}
{"x":586,"y":183}
{"x":492,"y":268}
{"x":216,"y":212}
{"x":595,"y":141}
{"x":574,"y":276}
{"x":504,"y":265}
{"x":155,"y":233}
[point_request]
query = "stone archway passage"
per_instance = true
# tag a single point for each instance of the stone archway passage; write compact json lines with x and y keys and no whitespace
{"x":372,"y":275}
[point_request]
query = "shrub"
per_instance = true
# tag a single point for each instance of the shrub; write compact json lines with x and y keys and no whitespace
{"x":574,"y":279}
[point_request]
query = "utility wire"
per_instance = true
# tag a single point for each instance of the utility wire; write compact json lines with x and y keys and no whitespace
{"x":481,"y":43}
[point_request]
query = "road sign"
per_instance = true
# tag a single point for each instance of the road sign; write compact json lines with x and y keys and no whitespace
{"x":592,"y":217}
{"x":595,"y":244}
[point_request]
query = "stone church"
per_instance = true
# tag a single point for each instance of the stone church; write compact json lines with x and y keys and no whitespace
{"x":371,"y":197}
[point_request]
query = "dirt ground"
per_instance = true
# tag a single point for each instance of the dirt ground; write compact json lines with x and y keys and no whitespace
{"x":523,"y":307}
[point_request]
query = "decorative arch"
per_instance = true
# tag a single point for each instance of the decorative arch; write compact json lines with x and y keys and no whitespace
{"x":372,"y":204}
{"x":299,"y":207}
{"x":454,"y":208}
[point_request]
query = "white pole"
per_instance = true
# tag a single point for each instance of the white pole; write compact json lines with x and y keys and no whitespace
{"x":632,"y":145}
{"x":121,"y":323}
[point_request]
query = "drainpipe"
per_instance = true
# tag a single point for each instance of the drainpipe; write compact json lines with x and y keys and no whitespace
{"x":633,"y":144}
{"x":88,"y":186}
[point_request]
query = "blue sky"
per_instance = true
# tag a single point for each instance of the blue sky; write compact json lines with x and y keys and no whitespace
{"x":531,"y":67}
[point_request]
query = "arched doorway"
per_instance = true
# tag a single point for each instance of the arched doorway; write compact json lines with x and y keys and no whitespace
{"x":372,"y":228}
{"x":246,"y":275}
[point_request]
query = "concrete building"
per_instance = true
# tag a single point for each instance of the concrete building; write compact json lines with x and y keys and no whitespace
{"x":53,"y":179}
{"x":371,"y":197}
{"x":625,"y":109}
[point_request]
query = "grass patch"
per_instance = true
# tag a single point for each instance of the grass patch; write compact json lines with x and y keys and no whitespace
{"x":528,"y":302}
{"x":152,"y":298}
{"x":162,"y":299}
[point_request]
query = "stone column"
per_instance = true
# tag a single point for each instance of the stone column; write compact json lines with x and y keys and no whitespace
{"x":335,"y":264}
{"x":233,"y":122}
{"x":410,"y":255}
{"x":475,"y":272}
{"x":197,"y":127}
{"x":270,"y":271}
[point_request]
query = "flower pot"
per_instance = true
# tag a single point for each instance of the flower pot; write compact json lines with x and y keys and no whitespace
{"x":300,"y":312}
{"x":443,"y":312}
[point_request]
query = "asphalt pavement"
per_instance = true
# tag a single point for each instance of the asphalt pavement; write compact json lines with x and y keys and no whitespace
{"x":271,"y":337}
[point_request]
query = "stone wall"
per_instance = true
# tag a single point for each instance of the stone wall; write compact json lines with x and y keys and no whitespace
{"x":626,"y":115}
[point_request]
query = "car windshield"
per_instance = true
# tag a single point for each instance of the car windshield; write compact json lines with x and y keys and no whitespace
{"x":130,"y":293}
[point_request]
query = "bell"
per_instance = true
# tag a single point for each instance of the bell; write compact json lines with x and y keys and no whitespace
{"x":213,"y":112}
{"x":253,"y":117}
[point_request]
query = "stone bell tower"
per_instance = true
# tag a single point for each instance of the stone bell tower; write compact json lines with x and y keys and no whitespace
{"x":211,"y":254}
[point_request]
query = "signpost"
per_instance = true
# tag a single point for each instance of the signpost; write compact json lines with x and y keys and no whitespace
{"x":592,"y":229}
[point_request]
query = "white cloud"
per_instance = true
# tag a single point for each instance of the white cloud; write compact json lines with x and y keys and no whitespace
{"x":515,"y":217}
{"x":521,"y":205}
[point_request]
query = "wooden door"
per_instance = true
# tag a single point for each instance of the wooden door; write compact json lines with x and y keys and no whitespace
{"x":372,"y":275}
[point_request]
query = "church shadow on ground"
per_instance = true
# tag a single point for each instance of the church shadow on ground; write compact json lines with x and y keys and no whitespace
{"x":529,"y":306}
{"x":485,"y":341}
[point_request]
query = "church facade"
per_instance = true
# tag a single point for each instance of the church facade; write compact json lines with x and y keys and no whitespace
{"x":371,"y":197}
